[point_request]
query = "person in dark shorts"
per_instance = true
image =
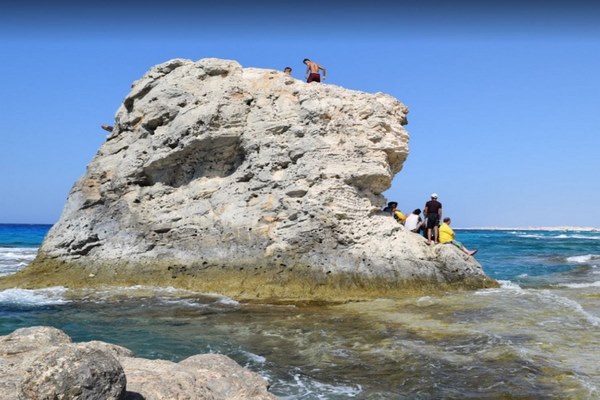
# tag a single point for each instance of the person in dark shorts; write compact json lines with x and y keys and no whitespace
{"x":433,"y":213}
{"x":312,"y":71}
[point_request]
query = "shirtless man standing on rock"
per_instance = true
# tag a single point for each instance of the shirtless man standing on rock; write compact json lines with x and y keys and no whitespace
{"x":312,"y":71}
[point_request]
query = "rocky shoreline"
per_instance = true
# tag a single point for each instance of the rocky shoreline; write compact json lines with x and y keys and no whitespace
{"x":43,"y":363}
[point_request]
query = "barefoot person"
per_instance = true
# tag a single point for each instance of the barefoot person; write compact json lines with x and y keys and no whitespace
{"x":447,"y":236}
{"x":312,"y":71}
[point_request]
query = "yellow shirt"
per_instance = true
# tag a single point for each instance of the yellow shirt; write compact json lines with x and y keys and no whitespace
{"x":446,"y":233}
{"x":398,"y":215}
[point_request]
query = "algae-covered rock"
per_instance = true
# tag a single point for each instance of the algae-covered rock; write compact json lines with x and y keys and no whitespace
{"x":245,"y":182}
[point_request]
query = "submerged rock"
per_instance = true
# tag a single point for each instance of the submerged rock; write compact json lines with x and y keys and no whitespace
{"x":250,"y":183}
{"x":42,"y":363}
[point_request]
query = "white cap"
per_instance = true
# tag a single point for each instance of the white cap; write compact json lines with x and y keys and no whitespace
{"x":434,"y":195}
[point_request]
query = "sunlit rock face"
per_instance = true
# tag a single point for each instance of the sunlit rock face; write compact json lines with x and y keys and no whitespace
{"x":251,"y":183}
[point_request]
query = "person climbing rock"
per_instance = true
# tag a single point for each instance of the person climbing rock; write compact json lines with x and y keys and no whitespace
{"x":107,"y":128}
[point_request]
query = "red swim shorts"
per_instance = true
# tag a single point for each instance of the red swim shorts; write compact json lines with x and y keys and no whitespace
{"x":314,"y":77}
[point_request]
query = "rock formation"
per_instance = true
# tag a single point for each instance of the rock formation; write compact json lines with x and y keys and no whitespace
{"x":42,"y":363}
{"x":249,"y":183}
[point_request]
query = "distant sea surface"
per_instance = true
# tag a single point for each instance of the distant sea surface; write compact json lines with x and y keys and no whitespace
{"x":538,"y":336}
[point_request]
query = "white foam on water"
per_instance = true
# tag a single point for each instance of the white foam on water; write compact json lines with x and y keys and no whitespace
{"x":17,"y":253}
{"x":317,"y":390}
{"x":504,"y":287}
{"x":580,"y":285}
{"x":254,"y":357}
{"x":561,"y":236}
{"x":570,"y":304}
{"x":35,"y":297}
{"x":509,"y":285}
{"x":14,"y":259}
{"x":227,"y":301}
{"x":184,"y":302}
{"x":583,"y":259}
{"x":532,"y":236}
{"x":584,"y":237}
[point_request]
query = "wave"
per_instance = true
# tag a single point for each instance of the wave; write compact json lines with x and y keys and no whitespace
{"x":579,"y":285}
{"x":509,"y":285}
{"x":311,"y":387}
{"x":34,"y":297}
{"x":535,"y":229}
{"x":504,"y":286}
{"x":583,"y":259}
{"x":571,"y":304}
{"x":166,"y":295}
{"x":255,"y":358}
{"x":17,"y":253}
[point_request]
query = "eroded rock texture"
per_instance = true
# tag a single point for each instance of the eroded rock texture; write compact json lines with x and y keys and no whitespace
{"x":41,"y":363}
{"x":249,"y":183}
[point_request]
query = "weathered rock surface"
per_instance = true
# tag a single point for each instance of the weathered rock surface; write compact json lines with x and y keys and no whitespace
{"x":74,"y":372}
{"x":249,"y":183}
{"x":42,"y":363}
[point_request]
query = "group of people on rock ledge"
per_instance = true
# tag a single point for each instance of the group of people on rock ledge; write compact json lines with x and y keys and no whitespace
{"x":430,"y":226}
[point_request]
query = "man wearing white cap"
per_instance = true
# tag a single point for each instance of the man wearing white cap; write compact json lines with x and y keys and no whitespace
{"x":433,"y":212}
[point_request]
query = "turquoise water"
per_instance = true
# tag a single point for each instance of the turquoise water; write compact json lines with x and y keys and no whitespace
{"x":536,"y":337}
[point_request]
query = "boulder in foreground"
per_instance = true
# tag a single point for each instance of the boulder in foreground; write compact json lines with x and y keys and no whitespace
{"x":42,"y":363}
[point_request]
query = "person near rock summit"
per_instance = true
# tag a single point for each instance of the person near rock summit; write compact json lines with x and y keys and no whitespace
{"x":287,"y":71}
{"x":433,"y":213}
{"x":392,"y":209}
{"x":312,"y":71}
{"x":413,"y":222}
{"x":447,"y":236}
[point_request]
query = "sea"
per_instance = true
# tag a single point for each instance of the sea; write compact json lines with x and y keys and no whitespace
{"x":537,"y":336}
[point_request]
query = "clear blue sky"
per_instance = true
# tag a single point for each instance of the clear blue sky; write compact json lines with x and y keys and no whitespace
{"x":504,"y":99}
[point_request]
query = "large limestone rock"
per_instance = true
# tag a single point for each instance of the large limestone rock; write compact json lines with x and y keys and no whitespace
{"x":42,"y":363}
{"x":250,"y":183}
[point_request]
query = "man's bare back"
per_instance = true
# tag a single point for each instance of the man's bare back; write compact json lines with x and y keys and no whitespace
{"x":312,"y":71}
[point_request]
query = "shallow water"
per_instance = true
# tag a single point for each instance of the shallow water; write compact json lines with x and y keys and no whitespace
{"x":536,"y":337}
